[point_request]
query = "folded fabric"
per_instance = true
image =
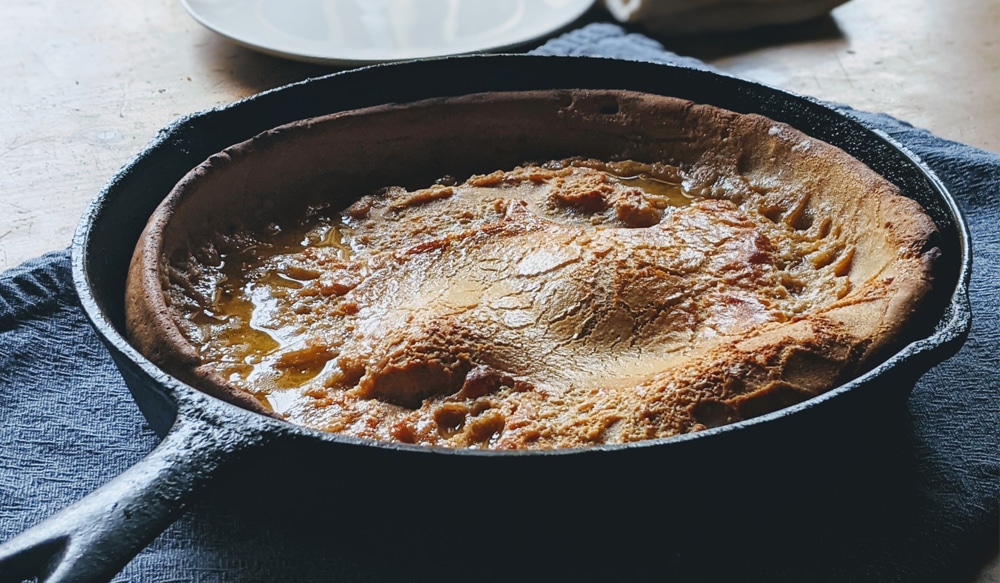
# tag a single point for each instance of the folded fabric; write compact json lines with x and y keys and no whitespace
{"x":688,"y":17}
{"x":927,"y":510}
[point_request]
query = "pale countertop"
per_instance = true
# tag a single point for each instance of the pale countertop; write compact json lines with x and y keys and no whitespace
{"x":85,"y":85}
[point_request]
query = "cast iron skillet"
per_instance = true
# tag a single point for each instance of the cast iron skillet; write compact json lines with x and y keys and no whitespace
{"x":203,"y":437}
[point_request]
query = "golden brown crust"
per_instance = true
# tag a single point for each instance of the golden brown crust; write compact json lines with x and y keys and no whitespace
{"x":792,"y":207}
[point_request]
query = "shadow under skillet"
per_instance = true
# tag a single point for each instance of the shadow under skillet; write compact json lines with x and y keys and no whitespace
{"x":831,"y":507}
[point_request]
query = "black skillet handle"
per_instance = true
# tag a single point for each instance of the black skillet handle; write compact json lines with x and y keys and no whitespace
{"x":93,"y":539}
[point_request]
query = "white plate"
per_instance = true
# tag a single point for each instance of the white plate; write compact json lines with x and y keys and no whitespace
{"x":351,"y":32}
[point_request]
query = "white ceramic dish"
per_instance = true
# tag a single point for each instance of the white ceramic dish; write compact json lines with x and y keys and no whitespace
{"x":354,"y":32}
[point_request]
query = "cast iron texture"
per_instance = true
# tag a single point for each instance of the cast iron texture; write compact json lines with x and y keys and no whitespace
{"x":562,"y":492}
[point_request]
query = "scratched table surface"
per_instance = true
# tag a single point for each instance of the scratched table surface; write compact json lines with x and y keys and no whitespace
{"x":85,"y":85}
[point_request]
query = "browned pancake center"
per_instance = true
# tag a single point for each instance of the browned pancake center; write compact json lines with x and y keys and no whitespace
{"x":556,"y":305}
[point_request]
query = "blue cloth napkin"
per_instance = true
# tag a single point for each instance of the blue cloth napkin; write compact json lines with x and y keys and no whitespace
{"x":68,"y":425}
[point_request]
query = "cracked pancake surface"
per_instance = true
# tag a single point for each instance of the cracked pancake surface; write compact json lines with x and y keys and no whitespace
{"x":559,"y":304}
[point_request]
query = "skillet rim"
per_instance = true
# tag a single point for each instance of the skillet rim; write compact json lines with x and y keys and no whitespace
{"x":942,"y":341}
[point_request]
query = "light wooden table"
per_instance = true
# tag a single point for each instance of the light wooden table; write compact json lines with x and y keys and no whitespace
{"x":84,"y":85}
